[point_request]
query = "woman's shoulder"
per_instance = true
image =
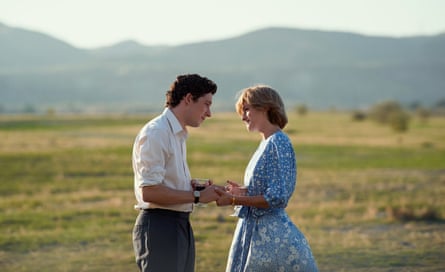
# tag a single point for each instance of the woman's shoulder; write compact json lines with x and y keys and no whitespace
{"x":280,"y":138}
{"x":279,"y":142}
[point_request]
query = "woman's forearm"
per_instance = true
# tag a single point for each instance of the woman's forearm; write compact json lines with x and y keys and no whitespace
{"x":253,"y":201}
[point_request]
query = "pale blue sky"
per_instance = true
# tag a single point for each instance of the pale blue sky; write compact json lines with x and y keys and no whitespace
{"x":94,"y":23}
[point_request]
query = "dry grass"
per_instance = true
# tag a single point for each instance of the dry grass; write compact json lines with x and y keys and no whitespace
{"x":361,"y":200}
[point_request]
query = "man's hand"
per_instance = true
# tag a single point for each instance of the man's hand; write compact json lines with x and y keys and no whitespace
{"x":209,"y":194}
{"x":224,"y":198}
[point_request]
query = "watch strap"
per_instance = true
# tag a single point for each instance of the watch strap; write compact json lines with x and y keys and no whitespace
{"x":197,"y":194}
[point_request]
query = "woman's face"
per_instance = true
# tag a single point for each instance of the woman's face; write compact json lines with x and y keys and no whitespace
{"x":253,"y":118}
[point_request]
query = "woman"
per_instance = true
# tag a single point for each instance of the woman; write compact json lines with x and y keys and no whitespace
{"x":265,"y":238}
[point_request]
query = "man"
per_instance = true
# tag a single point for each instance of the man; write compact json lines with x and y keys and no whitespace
{"x":162,"y":236}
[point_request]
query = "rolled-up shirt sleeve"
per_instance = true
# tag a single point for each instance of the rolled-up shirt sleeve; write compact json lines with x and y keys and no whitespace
{"x":151,"y":154}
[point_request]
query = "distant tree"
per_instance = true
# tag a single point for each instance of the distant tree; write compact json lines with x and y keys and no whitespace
{"x":28,"y":108}
{"x":414,"y":105}
{"x":440,"y":103}
{"x":382,"y":111}
{"x":423,"y":114}
{"x":398,"y":120}
{"x":50,"y":112}
{"x":358,"y":115}
{"x":301,"y":109}
{"x":439,"y":107}
{"x":390,"y":113}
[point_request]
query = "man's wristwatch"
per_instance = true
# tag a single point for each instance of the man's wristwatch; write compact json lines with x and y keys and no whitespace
{"x":196,"y":194}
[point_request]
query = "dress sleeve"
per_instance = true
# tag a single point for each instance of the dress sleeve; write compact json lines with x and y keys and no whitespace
{"x":151,"y":163}
{"x":280,"y":167}
{"x":276,"y":175}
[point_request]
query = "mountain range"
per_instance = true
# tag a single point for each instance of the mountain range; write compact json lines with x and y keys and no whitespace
{"x":319,"y":69}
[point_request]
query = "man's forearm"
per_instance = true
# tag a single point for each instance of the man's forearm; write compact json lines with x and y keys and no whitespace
{"x":163,"y":195}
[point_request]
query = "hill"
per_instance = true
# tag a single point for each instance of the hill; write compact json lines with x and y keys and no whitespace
{"x":317,"y":68}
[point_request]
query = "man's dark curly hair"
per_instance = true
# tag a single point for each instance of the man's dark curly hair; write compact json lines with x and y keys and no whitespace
{"x":190,"y":83}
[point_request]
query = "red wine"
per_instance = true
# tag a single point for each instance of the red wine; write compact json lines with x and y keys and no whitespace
{"x":199,"y":187}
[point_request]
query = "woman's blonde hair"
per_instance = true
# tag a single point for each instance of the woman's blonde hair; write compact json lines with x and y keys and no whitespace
{"x":263,"y":97}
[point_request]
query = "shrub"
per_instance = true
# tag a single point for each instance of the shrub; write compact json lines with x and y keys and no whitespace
{"x":398,"y":120}
{"x":390,"y":113}
{"x":381,"y":112}
{"x":301,"y":109}
{"x":423,"y":114}
{"x":410,"y":214}
{"x":358,"y":116}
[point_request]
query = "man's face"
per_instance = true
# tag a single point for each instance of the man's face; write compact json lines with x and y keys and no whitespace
{"x":199,"y":110}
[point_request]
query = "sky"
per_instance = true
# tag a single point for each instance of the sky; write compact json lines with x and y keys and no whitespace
{"x":96,"y":23}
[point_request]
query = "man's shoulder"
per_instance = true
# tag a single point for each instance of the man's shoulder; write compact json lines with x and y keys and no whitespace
{"x":157,"y":125}
{"x":159,"y":121}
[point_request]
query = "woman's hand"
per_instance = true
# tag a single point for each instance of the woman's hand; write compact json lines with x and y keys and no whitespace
{"x":225,"y":198}
{"x":235,"y":189}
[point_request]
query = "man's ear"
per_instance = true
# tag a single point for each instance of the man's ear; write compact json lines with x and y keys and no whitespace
{"x":188,"y":98}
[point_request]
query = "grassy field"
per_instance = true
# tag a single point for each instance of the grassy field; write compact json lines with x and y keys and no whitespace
{"x":367,"y":199}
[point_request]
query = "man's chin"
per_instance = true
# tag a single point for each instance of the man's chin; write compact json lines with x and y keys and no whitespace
{"x":197,"y":125}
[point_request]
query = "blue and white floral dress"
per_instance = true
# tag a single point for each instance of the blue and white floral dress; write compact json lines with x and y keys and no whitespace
{"x":266,"y":239}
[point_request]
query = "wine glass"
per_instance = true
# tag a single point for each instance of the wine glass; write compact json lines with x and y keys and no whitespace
{"x":200,"y":184}
{"x":236,"y":191}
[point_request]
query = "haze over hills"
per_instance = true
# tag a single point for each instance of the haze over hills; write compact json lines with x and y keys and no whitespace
{"x":317,"y":68}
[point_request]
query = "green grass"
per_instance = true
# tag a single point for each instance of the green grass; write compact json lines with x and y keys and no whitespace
{"x":27,"y":123}
{"x":356,"y":157}
{"x":367,"y":199}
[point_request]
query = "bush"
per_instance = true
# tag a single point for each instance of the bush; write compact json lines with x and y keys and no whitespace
{"x":381,"y":112}
{"x":358,"y":116}
{"x":390,"y":113}
{"x":399,"y":121}
{"x":301,"y":109}
{"x":428,"y":214}
{"x":423,"y":114}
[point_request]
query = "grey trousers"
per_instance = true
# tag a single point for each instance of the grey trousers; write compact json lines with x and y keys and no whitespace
{"x":163,"y":241}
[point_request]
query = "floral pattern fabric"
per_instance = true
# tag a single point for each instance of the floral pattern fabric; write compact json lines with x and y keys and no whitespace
{"x":267,"y":239}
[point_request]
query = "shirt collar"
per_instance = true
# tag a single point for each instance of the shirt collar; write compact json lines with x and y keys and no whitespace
{"x":174,"y":123}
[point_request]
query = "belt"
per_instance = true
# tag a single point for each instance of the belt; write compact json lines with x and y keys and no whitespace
{"x":177,"y":214}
